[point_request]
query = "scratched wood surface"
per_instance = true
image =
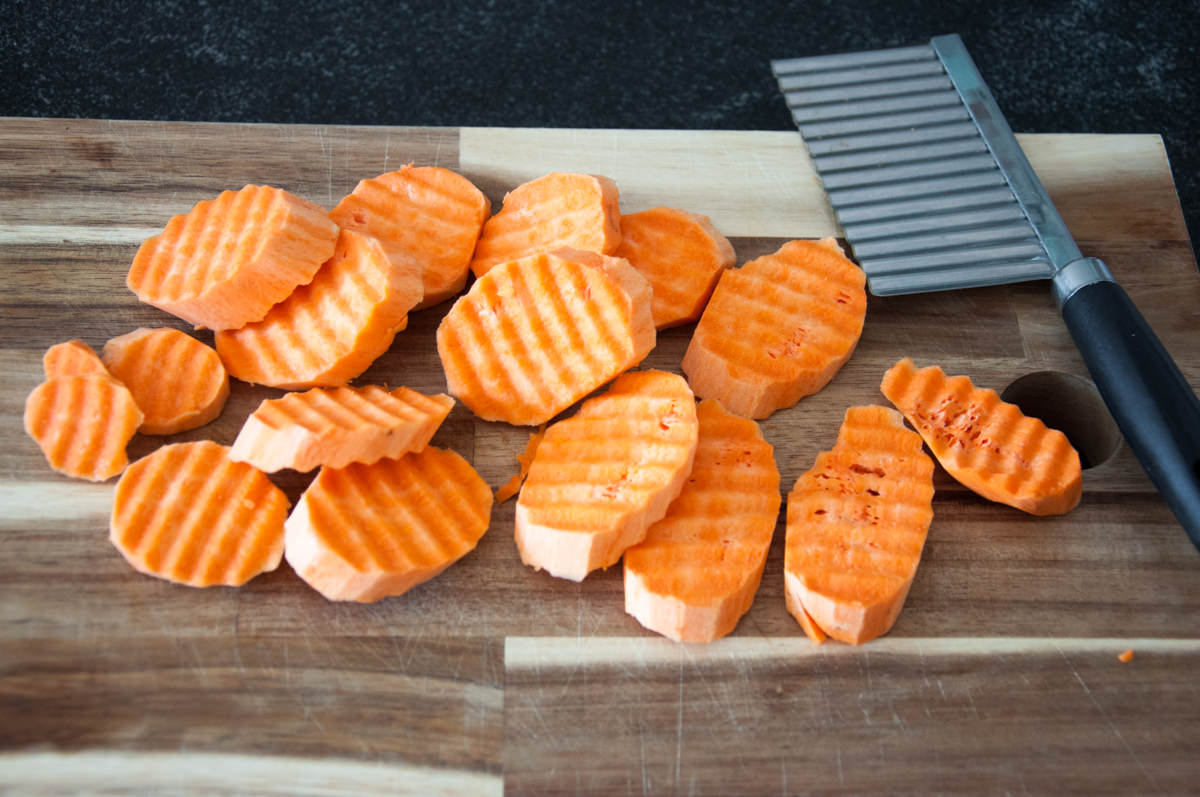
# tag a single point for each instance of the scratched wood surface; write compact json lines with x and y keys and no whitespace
{"x":1000,"y":676}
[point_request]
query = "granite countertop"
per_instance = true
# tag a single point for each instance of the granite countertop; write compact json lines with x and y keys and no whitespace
{"x":1065,"y":66}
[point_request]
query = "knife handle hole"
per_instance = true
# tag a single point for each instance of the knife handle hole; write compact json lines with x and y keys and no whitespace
{"x":1072,"y":405}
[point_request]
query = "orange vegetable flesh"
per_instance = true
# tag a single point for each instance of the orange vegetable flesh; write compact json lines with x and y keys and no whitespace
{"x":681,"y":254}
{"x":338,"y":426}
{"x":778,"y":328}
{"x":576,"y":211}
{"x":432,"y":214}
{"x":188,"y":514}
{"x":72,"y":358}
{"x":987,"y":444}
{"x":229,"y":260}
{"x":696,"y":572}
{"x":366,"y":532}
{"x":600,"y":478}
{"x":331,"y":330}
{"x":1125,"y":657}
{"x":82,"y":424}
{"x":856,"y":525}
{"x":532,"y":337}
{"x":177,"y":381}
{"x":524,"y":459}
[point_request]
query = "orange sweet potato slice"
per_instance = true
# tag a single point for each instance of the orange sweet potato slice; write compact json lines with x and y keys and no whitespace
{"x":188,"y":514}
{"x":988,"y":445}
{"x":82,"y":424}
{"x":532,"y":337}
{"x":177,"y":381}
{"x":338,"y":426}
{"x":331,"y":330}
{"x":856,"y":526}
{"x":695,"y":574}
{"x":432,"y":214}
{"x":575,"y":211}
{"x":72,"y":358}
{"x":600,"y":478}
{"x":524,"y":460}
{"x":366,"y":532}
{"x":229,"y":260}
{"x":681,"y":254}
{"x":778,"y":328}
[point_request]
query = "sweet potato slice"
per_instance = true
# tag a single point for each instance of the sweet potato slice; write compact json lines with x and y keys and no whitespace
{"x":681,"y":254}
{"x":177,"y":381}
{"x":188,"y":514}
{"x":229,"y":260}
{"x":524,"y":460}
{"x":575,"y":211}
{"x":432,"y":214}
{"x":988,"y":445}
{"x":856,"y":526}
{"x":532,"y":337}
{"x":338,"y":426}
{"x":600,"y":478}
{"x":82,"y":424}
{"x":72,"y":358}
{"x":696,"y":572}
{"x":778,"y":328}
{"x":331,"y":330}
{"x":366,"y":532}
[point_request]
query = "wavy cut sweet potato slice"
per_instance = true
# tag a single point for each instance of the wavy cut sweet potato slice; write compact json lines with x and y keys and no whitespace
{"x":229,"y":260}
{"x":338,"y":426}
{"x":178,"y":382}
{"x":778,"y":328}
{"x":72,"y":358}
{"x":681,"y":254}
{"x":188,"y":514}
{"x":557,"y":210}
{"x":696,"y":572}
{"x":366,"y":532}
{"x":82,"y":424}
{"x":532,"y":337}
{"x":432,"y":214}
{"x":856,"y":526}
{"x":600,"y":478}
{"x":331,"y":330}
{"x":985,"y":443}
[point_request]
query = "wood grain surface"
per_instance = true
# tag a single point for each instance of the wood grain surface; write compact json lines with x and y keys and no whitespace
{"x":1001,"y":675}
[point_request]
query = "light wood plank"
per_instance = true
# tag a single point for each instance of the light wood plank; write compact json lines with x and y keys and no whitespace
{"x":742,"y":717}
{"x":118,"y":772}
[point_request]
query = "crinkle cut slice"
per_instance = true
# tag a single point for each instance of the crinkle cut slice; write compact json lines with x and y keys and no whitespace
{"x":434,"y":215}
{"x":366,"y":532}
{"x":778,"y":328}
{"x":600,"y":478}
{"x":338,"y":426}
{"x":331,"y":330}
{"x":82,"y":424}
{"x":72,"y":358}
{"x":532,"y":337}
{"x":681,"y":254}
{"x":178,"y":382}
{"x":229,"y":260}
{"x":696,"y":572}
{"x":557,"y":210}
{"x":187,"y":513}
{"x":856,"y":526}
{"x":985,"y":443}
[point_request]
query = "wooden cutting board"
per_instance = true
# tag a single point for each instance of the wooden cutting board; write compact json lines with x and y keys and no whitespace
{"x":1000,"y":676}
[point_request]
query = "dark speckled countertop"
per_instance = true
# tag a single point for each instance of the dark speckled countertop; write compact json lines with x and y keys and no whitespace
{"x":1062,"y":66}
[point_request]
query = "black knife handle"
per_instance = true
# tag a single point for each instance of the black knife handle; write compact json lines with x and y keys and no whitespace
{"x":1152,"y":403}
